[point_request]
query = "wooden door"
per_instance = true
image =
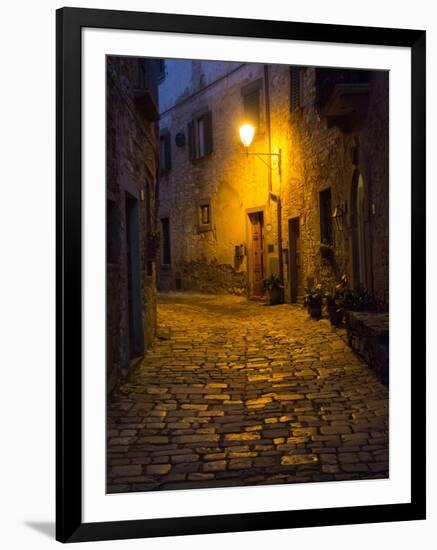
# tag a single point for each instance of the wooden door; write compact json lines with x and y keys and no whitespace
{"x":295,"y":268}
{"x":257,"y":268}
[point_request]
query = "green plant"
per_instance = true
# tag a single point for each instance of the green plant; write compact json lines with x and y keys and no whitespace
{"x":314,"y":295}
{"x":273,"y":286}
{"x":358,"y":299}
{"x":345,"y":297}
{"x":271,"y":282}
{"x":337,"y":296}
{"x":335,"y":301}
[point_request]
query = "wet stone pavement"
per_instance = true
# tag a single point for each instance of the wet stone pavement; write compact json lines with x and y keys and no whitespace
{"x":240,"y":393}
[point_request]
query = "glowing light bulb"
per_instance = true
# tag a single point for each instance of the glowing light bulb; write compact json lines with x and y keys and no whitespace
{"x":247,"y":131}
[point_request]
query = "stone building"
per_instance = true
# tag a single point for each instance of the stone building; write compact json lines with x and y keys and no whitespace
{"x":132,"y":185}
{"x":311,"y":206}
{"x":333,"y":129}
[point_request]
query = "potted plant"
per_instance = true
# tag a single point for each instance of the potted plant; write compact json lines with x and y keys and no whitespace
{"x":358,"y":299}
{"x":313,"y":300}
{"x":153,"y":244}
{"x":273,"y":286}
{"x":335,"y":302}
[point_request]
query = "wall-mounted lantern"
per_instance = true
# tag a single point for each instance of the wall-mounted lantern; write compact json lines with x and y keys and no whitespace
{"x":247,"y":133}
{"x":338,"y":216}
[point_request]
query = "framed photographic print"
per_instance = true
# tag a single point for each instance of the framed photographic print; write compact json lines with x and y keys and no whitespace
{"x":241,"y":274}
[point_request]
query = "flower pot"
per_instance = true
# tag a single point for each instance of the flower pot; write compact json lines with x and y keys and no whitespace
{"x":275,"y":296}
{"x":335,"y":315}
{"x":315,"y":311}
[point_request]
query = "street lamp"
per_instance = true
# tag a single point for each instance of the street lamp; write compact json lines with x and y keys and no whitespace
{"x":338,"y":216}
{"x":247,"y":133}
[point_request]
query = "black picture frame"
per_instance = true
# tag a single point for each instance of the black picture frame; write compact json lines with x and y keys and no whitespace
{"x":69,"y":525}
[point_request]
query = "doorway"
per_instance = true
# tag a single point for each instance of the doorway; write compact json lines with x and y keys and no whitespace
{"x":256,"y":256}
{"x":294,"y":253}
{"x":135,"y":322}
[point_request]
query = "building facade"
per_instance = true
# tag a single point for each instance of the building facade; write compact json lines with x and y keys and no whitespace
{"x":307,"y":201}
{"x":132,"y":187}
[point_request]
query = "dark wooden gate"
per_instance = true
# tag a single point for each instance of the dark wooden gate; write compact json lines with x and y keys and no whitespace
{"x":256,"y":255}
{"x":295,"y":259}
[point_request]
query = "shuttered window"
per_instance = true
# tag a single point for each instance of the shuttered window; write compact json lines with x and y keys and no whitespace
{"x":200,"y":142}
{"x":296,"y":88}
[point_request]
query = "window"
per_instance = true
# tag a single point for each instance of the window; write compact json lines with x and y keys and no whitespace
{"x":296,"y":88}
{"x":200,"y":136}
{"x":325,"y":217}
{"x":204,"y":215}
{"x":166,"y":250}
{"x":164,"y":153}
{"x":251,"y":107}
{"x":251,"y":96}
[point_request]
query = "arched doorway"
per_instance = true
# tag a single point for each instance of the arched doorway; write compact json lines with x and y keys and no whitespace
{"x":358,"y":204}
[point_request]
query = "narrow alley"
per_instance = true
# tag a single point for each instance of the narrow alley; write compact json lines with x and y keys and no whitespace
{"x":235,"y":392}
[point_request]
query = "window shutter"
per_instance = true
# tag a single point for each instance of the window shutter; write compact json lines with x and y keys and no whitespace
{"x":208,"y":132}
{"x":191,"y":146}
{"x":167,"y":148}
{"x":294,"y":87}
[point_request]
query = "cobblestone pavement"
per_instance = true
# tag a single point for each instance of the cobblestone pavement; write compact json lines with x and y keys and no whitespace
{"x":240,"y":393}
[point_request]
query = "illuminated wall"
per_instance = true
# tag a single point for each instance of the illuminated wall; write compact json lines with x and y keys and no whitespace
{"x":319,"y":152}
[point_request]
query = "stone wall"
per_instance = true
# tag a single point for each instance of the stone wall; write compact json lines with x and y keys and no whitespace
{"x":368,"y":335}
{"x":317,"y":157}
{"x":233,"y":183}
{"x":131,"y":178}
{"x":210,"y":277}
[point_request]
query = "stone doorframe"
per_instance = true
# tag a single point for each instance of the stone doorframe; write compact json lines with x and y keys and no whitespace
{"x":255,"y":210}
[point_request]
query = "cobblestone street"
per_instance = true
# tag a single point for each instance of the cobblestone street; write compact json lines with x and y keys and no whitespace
{"x":240,"y":393}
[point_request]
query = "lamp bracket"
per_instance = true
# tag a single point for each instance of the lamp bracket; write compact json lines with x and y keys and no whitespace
{"x":260,"y":155}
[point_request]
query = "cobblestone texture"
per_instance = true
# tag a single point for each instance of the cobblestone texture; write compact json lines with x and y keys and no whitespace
{"x":240,"y":393}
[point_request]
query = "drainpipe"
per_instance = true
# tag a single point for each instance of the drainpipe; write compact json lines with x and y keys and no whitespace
{"x":276,"y":198}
